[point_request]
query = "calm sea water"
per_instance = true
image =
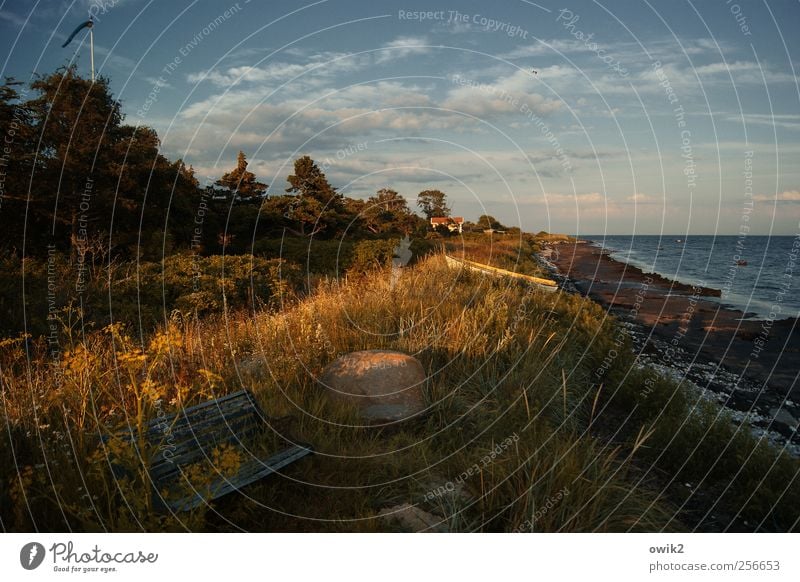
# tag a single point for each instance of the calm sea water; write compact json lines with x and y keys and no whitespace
{"x":766,"y":287}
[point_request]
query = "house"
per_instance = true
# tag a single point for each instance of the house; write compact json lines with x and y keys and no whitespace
{"x":453,"y":223}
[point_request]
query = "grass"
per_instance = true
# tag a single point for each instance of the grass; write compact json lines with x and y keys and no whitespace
{"x":504,"y":361}
{"x":513,"y":252}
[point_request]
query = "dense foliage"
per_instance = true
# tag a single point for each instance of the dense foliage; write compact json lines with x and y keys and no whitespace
{"x":96,"y":211}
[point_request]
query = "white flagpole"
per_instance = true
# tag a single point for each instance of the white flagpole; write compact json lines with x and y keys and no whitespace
{"x":91,"y":49}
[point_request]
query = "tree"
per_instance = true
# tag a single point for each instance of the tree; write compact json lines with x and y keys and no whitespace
{"x":92,"y":178}
{"x":486,"y":221}
{"x":389,"y":200}
{"x":16,"y":162}
{"x":388,"y":212}
{"x":309,"y":181}
{"x":433,"y":203}
{"x":78,"y":124}
{"x":241,"y":181}
{"x":313,"y":205}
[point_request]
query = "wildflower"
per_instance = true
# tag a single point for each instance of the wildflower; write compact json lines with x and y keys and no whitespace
{"x":210,"y":376}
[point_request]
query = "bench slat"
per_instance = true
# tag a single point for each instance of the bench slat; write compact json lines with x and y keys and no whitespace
{"x":191,"y":437}
{"x":194,"y":419}
{"x":164,"y":462}
{"x":225,"y":429}
{"x":219,"y":402}
{"x":249,"y":472}
{"x":190,"y":420}
{"x":174,"y":445}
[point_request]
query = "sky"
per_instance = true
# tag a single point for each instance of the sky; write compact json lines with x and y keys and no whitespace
{"x":582,"y":117}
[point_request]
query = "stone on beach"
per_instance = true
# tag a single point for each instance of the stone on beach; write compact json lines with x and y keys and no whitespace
{"x":784,"y":417}
{"x":384,"y":385}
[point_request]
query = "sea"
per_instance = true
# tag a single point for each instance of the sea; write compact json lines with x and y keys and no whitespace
{"x":759,"y":275}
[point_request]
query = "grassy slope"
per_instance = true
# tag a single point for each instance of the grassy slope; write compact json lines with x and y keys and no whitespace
{"x":504,"y":361}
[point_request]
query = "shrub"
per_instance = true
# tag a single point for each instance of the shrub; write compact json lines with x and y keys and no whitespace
{"x":369,"y":255}
{"x":145,"y":292}
{"x":315,"y":256}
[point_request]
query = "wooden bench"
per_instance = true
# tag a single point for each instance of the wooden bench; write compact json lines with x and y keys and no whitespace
{"x":191,"y":439}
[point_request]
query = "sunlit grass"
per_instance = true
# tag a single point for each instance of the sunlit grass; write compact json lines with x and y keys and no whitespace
{"x":503,"y":360}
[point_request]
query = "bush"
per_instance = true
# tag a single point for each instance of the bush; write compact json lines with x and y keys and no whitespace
{"x":422,"y":247}
{"x":203,"y":285}
{"x":322,"y":257}
{"x":369,"y":255}
{"x":145,"y":293}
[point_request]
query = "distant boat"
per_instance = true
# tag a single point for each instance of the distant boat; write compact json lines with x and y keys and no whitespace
{"x":679,"y":240}
{"x":741,"y":263}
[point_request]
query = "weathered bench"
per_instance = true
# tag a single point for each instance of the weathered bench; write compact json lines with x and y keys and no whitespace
{"x":191,"y":439}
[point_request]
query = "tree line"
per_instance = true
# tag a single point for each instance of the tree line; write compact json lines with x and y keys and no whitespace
{"x":76,"y":178}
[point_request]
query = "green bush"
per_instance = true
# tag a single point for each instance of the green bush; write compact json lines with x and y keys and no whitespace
{"x":422,"y":247}
{"x":372,"y":254}
{"x":143,"y":294}
{"x":321,"y":257}
{"x":202,"y":285}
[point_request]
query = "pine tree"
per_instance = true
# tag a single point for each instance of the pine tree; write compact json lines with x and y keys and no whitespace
{"x":312,"y":206}
{"x":310,"y":182}
{"x":241,"y":181}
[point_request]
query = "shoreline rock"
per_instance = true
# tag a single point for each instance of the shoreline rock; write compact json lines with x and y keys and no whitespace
{"x":710,"y":346}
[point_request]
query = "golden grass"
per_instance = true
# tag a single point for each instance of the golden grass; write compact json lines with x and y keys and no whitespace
{"x":480,"y":268}
{"x":503,"y":362}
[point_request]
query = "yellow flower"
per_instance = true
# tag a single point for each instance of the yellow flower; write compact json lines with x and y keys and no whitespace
{"x":134,"y":356}
{"x":210,"y":376}
{"x":164,"y":341}
{"x":151,"y":390}
{"x":226,"y":460}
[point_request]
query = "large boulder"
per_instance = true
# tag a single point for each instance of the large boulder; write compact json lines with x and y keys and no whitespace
{"x":386,"y":386}
{"x":411,"y":518}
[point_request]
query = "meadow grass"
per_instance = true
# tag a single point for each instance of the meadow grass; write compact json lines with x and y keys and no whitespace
{"x":504,"y":361}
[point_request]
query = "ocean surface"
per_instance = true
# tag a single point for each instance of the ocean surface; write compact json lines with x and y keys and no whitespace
{"x":765,"y":288}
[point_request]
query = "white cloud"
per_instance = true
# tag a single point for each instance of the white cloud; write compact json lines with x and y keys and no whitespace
{"x":317,"y":69}
{"x":592,"y":199}
{"x":786,"y":196}
{"x":640,"y":198}
{"x":551,"y":47}
{"x":556,"y":199}
{"x":743,"y":72}
{"x":312,"y":110}
{"x":13,"y":18}
{"x":514,"y":93}
{"x":325,"y":65}
{"x":402,"y":47}
{"x":785,"y":121}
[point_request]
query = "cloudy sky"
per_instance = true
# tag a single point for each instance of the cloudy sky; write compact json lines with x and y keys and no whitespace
{"x":666,"y":117}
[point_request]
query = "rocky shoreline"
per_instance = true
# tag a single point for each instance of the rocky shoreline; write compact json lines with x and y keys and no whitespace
{"x":749,"y":366}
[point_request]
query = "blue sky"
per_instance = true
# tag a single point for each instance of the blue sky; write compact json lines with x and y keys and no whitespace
{"x":651,"y":117}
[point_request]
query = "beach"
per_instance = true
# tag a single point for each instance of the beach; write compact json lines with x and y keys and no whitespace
{"x":749,"y":365}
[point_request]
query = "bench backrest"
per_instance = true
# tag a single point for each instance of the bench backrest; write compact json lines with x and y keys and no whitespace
{"x":195,"y":432}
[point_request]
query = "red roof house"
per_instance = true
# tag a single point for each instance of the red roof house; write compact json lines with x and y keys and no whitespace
{"x":453,"y":223}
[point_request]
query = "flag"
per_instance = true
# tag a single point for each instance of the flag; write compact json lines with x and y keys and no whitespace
{"x":88,"y":24}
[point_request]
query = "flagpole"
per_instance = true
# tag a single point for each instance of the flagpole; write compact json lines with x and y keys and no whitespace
{"x":91,"y":49}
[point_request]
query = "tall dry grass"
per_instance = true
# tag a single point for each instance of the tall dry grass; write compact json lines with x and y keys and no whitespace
{"x":503,"y":361}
